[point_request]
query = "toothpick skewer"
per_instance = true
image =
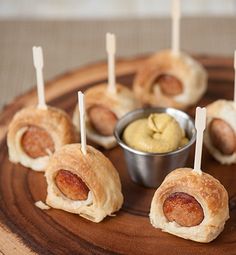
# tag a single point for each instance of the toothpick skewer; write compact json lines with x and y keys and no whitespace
{"x":111,"y":50}
{"x":38,"y":64}
{"x":82,"y":122}
{"x":176,"y":26}
{"x":200,"y":124}
{"x":235,"y":76}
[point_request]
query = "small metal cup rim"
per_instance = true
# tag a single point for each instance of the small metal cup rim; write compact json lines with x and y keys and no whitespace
{"x":153,"y":110}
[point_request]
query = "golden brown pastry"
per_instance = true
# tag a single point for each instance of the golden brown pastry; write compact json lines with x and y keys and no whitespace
{"x":170,"y":80}
{"x":87,"y":185}
{"x":34,"y":134}
{"x":103,"y":109}
{"x":190,"y":205}
{"x":220,"y":134}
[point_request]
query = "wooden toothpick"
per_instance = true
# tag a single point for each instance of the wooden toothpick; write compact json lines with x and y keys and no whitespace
{"x":176,"y":26}
{"x":38,"y":64}
{"x":200,"y":124}
{"x":111,"y":50}
{"x":82,"y":122}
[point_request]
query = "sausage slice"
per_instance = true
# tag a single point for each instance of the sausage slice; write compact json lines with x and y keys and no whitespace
{"x":183,"y":209}
{"x":170,"y":85}
{"x":36,"y":141}
{"x":71,"y":185}
{"x":102,"y":120}
{"x":222,"y":136}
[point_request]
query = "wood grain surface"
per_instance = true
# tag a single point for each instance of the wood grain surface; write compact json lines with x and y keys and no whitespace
{"x":25,"y":229}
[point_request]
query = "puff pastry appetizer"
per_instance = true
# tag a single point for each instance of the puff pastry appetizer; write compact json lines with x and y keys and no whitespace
{"x":190,"y":205}
{"x":103,"y":109}
{"x":34,"y":134}
{"x":170,"y":80}
{"x":87,"y":185}
{"x":220,"y":135}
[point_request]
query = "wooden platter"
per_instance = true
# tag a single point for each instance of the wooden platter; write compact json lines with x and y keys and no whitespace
{"x":25,"y":229}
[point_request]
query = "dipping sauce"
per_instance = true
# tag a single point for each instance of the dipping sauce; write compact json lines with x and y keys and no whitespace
{"x":159,"y":133}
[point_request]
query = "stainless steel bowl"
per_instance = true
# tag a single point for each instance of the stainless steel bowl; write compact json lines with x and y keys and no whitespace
{"x":150,"y":169}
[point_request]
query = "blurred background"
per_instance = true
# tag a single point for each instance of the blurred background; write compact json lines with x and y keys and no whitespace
{"x":72,"y":33}
{"x":91,"y":9}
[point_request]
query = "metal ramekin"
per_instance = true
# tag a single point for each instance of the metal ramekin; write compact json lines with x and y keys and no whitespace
{"x":150,"y":169}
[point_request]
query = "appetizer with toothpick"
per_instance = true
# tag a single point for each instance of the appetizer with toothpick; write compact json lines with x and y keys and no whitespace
{"x":82,"y":180}
{"x":190,"y":203}
{"x":37,"y":132}
{"x":171,"y":78}
{"x":106,"y":103}
{"x":220,"y":135}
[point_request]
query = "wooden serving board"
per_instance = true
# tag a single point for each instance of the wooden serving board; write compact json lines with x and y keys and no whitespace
{"x":25,"y":229}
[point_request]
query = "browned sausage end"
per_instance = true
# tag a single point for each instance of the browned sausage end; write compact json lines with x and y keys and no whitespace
{"x":36,"y":141}
{"x":183,"y":209}
{"x":170,"y":85}
{"x":222,"y":136}
{"x":102,"y":120}
{"x":71,"y":185}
